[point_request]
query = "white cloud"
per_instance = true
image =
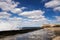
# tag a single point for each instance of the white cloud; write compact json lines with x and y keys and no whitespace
{"x":23,"y":8}
{"x":4,"y":15}
{"x":10,"y":23}
{"x":14,"y":19}
{"x":57,"y":18}
{"x":57,"y":9}
{"x":6,"y":26}
{"x":55,"y":4}
{"x":52,"y":4}
{"x":36,"y":18}
{"x":9,"y":5}
{"x":35,"y":14}
{"x":34,"y":23}
{"x":16,"y":10}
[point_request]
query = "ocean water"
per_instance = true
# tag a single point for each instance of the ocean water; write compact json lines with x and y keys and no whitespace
{"x":42,"y":34}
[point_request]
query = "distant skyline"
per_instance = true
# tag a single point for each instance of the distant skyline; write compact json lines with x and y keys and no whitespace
{"x":28,"y":13}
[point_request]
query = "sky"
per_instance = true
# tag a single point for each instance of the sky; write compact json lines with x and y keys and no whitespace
{"x":15,"y":14}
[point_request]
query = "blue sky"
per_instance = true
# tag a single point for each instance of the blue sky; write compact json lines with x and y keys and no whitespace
{"x":38,"y":5}
{"x":28,"y":13}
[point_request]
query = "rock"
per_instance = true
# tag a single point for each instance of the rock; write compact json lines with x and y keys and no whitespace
{"x":43,"y":34}
{"x":56,"y":38}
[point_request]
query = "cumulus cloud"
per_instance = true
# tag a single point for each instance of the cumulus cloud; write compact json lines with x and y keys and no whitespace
{"x":35,"y":17}
{"x":57,"y":18}
{"x":57,"y":9}
{"x":10,"y":5}
{"x":7,"y":5}
{"x":14,"y":19}
{"x":33,"y":14}
{"x":10,"y":24}
{"x":52,"y":3}
{"x":16,"y":10}
{"x":55,"y":4}
{"x":7,"y":26}
{"x":6,"y":22}
{"x":34,"y":23}
{"x":4,"y":15}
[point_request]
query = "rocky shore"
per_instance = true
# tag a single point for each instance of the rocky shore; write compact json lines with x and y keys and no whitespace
{"x":47,"y":33}
{"x":42,"y":34}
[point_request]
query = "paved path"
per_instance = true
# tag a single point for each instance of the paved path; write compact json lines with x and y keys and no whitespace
{"x":42,"y":34}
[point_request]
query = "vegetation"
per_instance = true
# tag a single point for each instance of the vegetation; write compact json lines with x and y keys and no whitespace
{"x":56,"y":25}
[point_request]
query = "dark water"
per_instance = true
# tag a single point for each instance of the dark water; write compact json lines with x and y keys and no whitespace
{"x":42,"y":34}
